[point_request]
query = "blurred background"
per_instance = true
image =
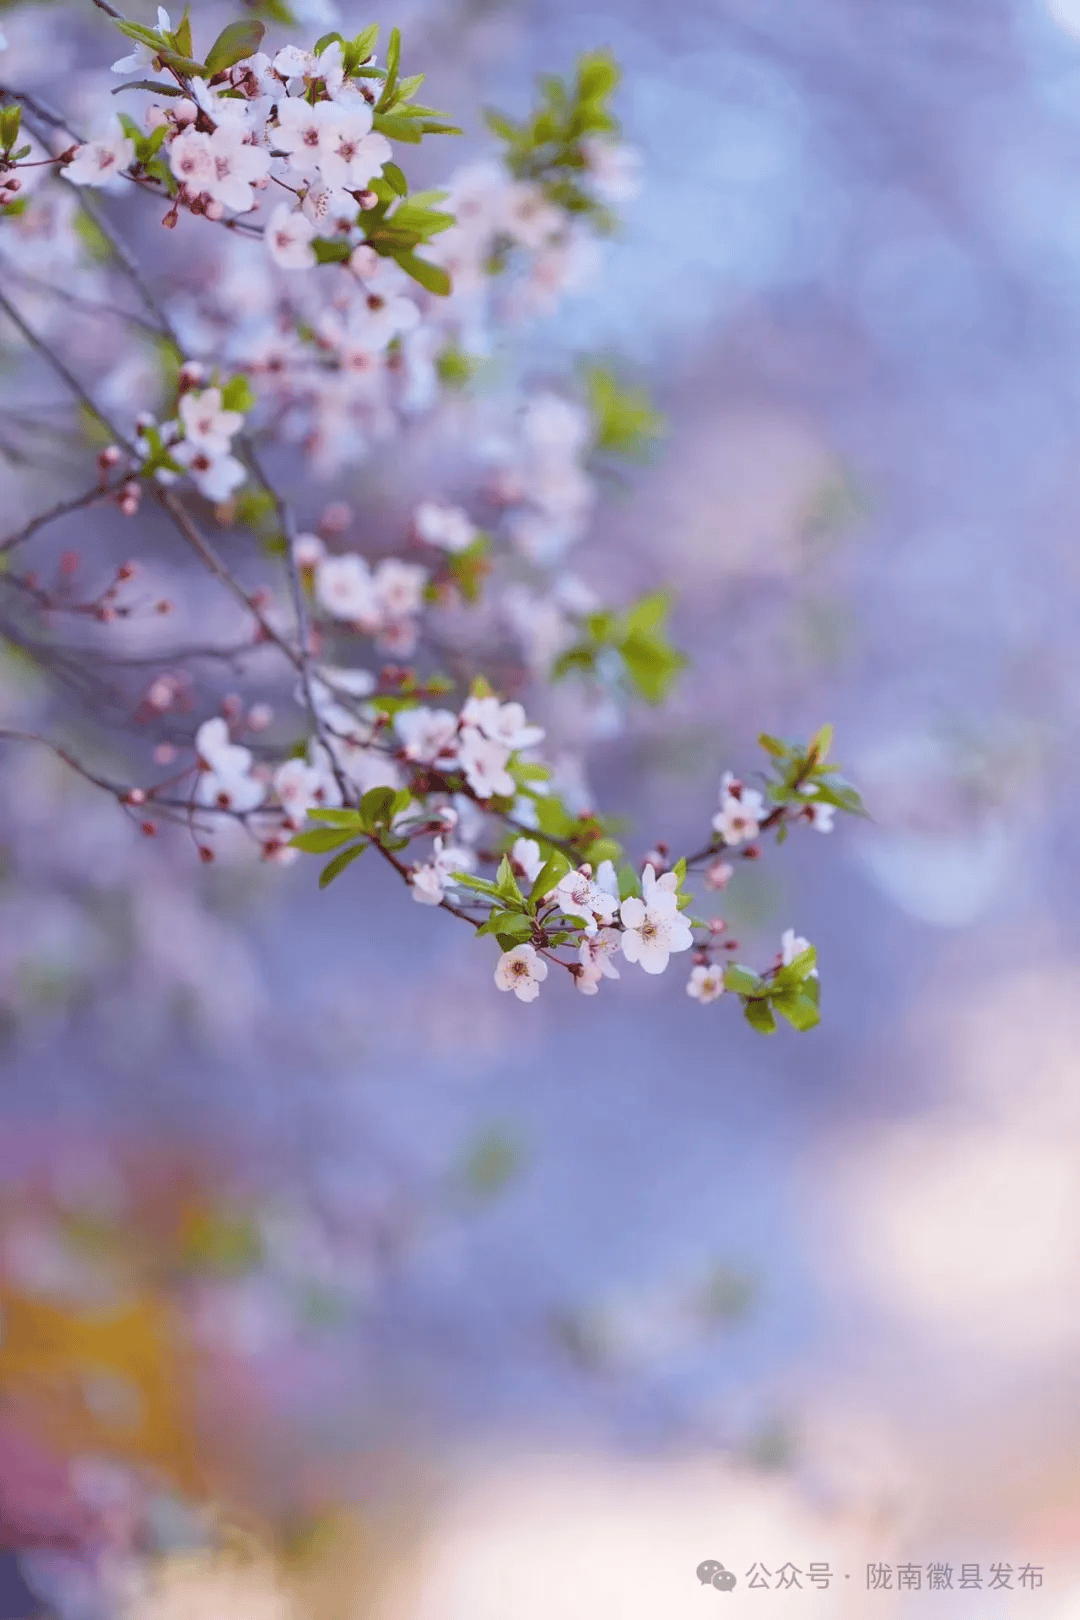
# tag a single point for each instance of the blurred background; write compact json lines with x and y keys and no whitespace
{"x":332,"y":1286}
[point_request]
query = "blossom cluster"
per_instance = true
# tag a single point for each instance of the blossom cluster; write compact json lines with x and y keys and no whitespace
{"x":334,"y":309}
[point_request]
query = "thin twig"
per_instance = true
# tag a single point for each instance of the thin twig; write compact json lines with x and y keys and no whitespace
{"x":100,"y":492}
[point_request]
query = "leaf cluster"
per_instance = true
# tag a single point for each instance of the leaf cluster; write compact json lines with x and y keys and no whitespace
{"x":548,"y":146}
{"x":624,"y":420}
{"x":639,"y":636}
{"x":792,"y":991}
{"x":351,"y":831}
{"x":801,"y":776}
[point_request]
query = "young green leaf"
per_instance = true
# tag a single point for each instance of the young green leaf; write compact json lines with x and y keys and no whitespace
{"x":334,"y":868}
{"x":235,"y":43}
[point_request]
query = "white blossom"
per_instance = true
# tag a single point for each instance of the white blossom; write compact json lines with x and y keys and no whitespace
{"x":399,"y":587}
{"x":741,"y":811}
{"x":431,"y":881}
{"x":101,"y":162}
{"x":351,"y":153}
{"x":206,"y":422}
{"x":793,"y":945}
{"x":484,"y":763}
{"x":821,"y":817}
{"x":429,"y":735}
{"x":504,"y":723}
{"x":705,"y":983}
{"x":345,"y":589}
{"x":445,"y":526}
{"x":522,"y":971}
{"x":613,"y":167}
{"x":577,"y":896}
{"x":654,"y":928}
{"x":214,"y":472}
{"x":142,"y":56}
{"x":300,"y":786}
{"x":224,"y":781}
{"x":288,"y":239}
{"x":526,"y":858}
{"x":595,"y":957}
{"x":718,"y":875}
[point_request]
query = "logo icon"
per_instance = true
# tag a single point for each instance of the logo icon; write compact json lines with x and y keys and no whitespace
{"x":712,"y":1573}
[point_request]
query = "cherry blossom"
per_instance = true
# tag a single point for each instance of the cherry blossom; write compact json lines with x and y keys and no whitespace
{"x":288,"y":238}
{"x":525,"y":857}
{"x":793,"y":945}
{"x":741,"y":811}
{"x":504,"y":723}
{"x":448,"y":527}
{"x":101,"y":162}
{"x":204,"y":420}
{"x":484,"y":763}
{"x":142,"y":56}
{"x":522,"y":971}
{"x":214,"y":472}
{"x":579,"y":897}
{"x":654,"y":928}
{"x":345,"y":588}
{"x":595,"y":960}
{"x":224,"y":779}
{"x":705,"y":983}
{"x":429,"y":735}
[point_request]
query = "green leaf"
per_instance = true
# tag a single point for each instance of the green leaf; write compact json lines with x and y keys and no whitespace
{"x":506,"y":883}
{"x":321,"y":839}
{"x":397,"y":128}
{"x":624,"y":421}
{"x":629,"y":883}
{"x":512,"y":926}
{"x":481,"y":885}
{"x":500,"y":125}
{"x":156,"y":85}
{"x":834,"y":790}
{"x":799,"y":1010}
{"x":742,"y":980}
{"x":820,"y":743}
{"x":759,"y":1016}
{"x":186,"y":66}
{"x":331,"y":250}
{"x":431,"y":276}
{"x":773,"y":745}
{"x":10,"y":120}
{"x":597,"y":76}
{"x":336,"y":818}
{"x":334,"y":868}
{"x":145,"y":36}
{"x":237,"y":395}
{"x":603,"y":849}
{"x":235,"y":43}
{"x":393,"y":61}
{"x":652,"y":664}
{"x":397,"y":180}
{"x":555,"y":867}
{"x":182,"y":35}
